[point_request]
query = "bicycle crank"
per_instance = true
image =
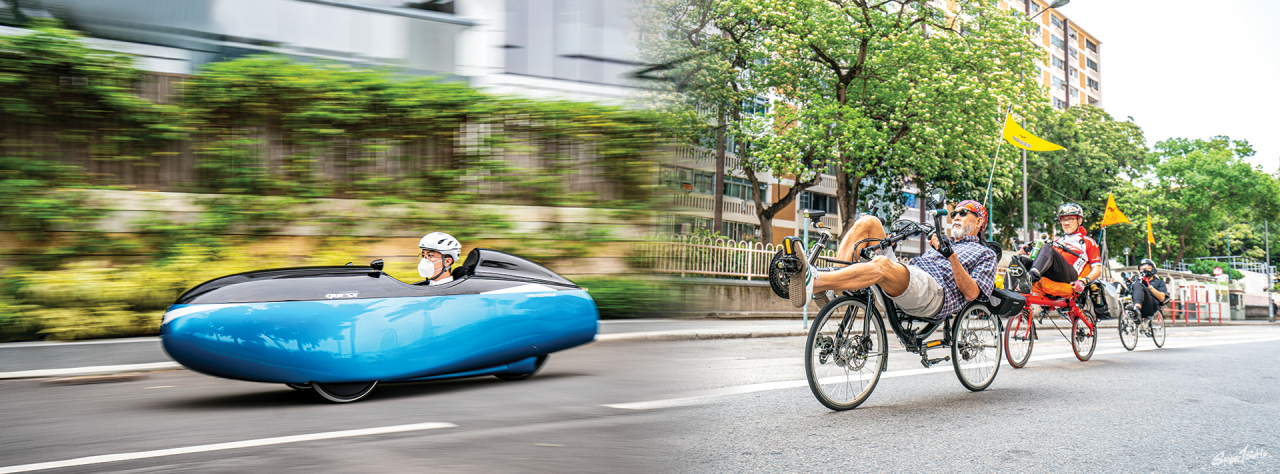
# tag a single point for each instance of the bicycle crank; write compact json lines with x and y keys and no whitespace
{"x":931,"y":362}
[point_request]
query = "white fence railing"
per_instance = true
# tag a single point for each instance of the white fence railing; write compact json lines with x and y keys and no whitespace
{"x":697,"y":256}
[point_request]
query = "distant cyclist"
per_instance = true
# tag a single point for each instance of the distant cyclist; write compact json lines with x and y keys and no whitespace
{"x":1149,"y":292}
{"x":438,"y":253}
{"x":1075,"y":258}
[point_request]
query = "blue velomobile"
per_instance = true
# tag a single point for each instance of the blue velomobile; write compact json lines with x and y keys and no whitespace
{"x":341,"y":330}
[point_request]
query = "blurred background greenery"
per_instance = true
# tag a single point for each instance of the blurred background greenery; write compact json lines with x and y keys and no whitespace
{"x":265,"y":161}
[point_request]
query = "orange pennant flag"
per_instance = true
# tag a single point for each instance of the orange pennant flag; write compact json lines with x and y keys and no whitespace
{"x":1113,"y":214}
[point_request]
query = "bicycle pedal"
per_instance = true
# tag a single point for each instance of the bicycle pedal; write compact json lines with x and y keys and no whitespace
{"x":933,"y":343}
{"x":931,"y":362}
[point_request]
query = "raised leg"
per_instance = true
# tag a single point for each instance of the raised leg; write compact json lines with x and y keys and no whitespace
{"x":890,"y":275}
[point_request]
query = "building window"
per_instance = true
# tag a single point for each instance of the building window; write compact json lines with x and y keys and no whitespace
{"x":1075,"y":72}
{"x":1072,"y":34}
{"x":1035,"y":7}
{"x":1055,"y":21}
{"x":1090,"y":45}
{"x":1091,"y":63}
{"x":1059,"y":103}
{"x":739,"y":231}
{"x":1059,"y":83}
{"x":1075,"y":92}
{"x":741,"y":188}
{"x":1093,"y":84}
{"x":1072,"y":51}
{"x":1056,"y":41}
{"x":819,"y":202}
{"x":1092,"y":101}
{"x":1058,"y":63}
{"x":755,"y":106}
{"x":442,"y":6}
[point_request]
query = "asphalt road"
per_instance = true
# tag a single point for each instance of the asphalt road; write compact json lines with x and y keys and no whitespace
{"x":732,"y":405}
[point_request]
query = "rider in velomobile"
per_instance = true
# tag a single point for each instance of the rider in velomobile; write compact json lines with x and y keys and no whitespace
{"x":438,"y":252}
{"x":936,"y":284}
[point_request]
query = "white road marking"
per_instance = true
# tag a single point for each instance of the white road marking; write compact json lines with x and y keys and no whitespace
{"x":15,"y":345}
{"x":699,"y":397}
{"x":222,"y":446}
{"x":95,"y":370}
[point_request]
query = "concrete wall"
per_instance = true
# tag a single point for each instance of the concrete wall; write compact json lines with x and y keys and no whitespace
{"x":732,"y":299}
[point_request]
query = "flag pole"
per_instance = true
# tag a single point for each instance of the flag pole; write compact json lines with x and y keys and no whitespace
{"x":987,"y":200}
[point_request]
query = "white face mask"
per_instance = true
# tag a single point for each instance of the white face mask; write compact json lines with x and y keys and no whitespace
{"x":426,"y":268}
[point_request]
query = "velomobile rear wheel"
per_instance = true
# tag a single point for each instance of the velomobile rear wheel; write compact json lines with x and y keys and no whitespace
{"x":344,"y":392}
{"x":299,"y":386}
{"x":537,"y":367}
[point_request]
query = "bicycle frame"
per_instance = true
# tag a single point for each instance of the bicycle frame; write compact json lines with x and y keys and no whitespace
{"x":1073,"y":310}
{"x":912,"y":340}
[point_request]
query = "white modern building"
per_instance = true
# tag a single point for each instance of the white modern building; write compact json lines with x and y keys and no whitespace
{"x":563,"y":49}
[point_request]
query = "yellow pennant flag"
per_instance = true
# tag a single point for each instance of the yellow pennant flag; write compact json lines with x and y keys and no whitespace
{"x":1151,"y":237}
{"x":1019,"y":137}
{"x":1113,"y":214}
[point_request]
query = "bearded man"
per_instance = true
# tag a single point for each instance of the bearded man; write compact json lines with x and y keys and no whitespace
{"x":934,"y":285}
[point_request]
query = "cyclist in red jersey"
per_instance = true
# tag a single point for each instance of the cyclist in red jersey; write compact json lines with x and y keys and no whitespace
{"x":1077,"y":258}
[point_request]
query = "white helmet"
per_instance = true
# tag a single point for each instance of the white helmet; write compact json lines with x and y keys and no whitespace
{"x":441,"y":242}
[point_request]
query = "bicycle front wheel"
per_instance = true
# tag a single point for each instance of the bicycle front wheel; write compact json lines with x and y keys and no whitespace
{"x":845,"y":353}
{"x":1019,"y":338}
{"x":975,"y":347}
{"x":1083,"y":339}
{"x":1128,"y":327}
{"x":1157,"y":328}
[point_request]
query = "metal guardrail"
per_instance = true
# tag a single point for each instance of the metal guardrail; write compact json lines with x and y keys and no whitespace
{"x":690,"y":255}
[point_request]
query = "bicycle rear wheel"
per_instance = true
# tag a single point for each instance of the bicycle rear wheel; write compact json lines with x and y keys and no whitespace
{"x":1083,"y":339}
{"x":975,"y":347}
{"x":1128,"y":327}
{"x":845,"y":353}
{"x":1019,"y":338}
{"x":1157,"y":328}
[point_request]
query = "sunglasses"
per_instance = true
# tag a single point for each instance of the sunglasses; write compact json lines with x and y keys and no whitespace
{"x":964,"y":212}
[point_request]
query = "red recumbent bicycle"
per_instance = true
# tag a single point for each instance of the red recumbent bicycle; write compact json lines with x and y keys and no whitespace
{"x":1020,"y":331}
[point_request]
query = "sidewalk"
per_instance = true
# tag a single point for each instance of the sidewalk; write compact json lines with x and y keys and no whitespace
{"x":115,"y":356}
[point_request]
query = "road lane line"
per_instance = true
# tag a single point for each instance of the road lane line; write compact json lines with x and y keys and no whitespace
{"x":95,"y":370}
{"x":698,"y":397}
{"x":16,"y":345}
{"x":223,"y":446}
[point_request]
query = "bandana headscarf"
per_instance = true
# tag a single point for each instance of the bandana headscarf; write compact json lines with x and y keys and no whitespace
{"x":975,"y":208}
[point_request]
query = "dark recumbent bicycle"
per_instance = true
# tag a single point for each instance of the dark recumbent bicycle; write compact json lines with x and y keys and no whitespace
{"x":847,"y":347}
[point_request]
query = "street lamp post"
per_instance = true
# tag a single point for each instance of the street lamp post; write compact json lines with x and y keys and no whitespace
{"x":1025,"y":229}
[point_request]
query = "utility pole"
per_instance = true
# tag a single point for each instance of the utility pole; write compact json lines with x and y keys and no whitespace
{"x":1271,"y":308}
{"x":1025,"y":230}
{"x":718,"y":220}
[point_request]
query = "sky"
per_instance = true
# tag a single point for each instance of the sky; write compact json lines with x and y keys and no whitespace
{"x":1193,"y":69}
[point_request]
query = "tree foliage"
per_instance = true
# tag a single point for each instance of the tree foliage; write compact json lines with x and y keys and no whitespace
{"x":1199,"y":190}
{"x":884,"y":90}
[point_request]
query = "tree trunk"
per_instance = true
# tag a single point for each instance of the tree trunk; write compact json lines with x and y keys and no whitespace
{"x":847,"y":198}
{"x":1182,"y":242}
{"x":765,"y":214}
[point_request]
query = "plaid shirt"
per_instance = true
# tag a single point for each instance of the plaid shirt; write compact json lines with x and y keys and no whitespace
{"x":976,"y":259}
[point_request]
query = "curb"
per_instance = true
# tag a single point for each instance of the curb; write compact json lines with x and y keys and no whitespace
{"x":694,"y":335}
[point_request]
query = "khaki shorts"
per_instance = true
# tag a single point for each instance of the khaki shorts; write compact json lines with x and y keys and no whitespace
{"x":923,"y":296}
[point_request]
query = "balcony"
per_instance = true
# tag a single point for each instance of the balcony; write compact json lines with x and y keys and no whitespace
{"x":704,"y":203}
{"x":705,"y":156}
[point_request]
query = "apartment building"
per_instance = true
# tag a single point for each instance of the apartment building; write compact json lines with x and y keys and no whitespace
{"x":1073,"y":71}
